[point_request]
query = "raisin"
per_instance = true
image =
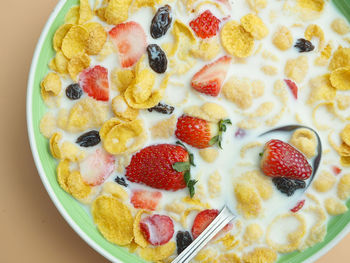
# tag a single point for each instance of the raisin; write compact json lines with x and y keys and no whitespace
{"x":73,"y":91}
{"x":157,"y":58}
{"x":304,"y":45}
{"x":183,"y":240}
{"x":162,"y":108}
{"x":161,"y":22}
{"x":121,"y":181}
{"x":288,"y":186}
{"x":88,"y":139}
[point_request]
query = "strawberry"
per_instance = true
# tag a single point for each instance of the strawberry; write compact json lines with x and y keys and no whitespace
{"x":336,"y":170}
{"x":293,"y":87}
{"x":130,"y":41}
{"x":210,"y":78}
{"x":162,"y":166}
{"x":298,"y":206}
{"x":157,"y":229}
{"x":206,"y":25}
{"x":203,"y":220}
{"x":197,"y":133}
{"x":280,"y":159}
{"x":94,"y":82}
{"x":145,"y":199}
{"x":97,"y":167}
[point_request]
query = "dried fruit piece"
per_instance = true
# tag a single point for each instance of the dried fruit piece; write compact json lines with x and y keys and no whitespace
{"x":157,"y":229}
{"x":293,"y":87}
{"x":121,"y":181}
{"x":88,"y":139}
{"x":206,"y":25}
{"x":161,"y":22}
{"x":94,"y":82}
{"x":298,"y":206}
{"x":145,"y":199}
{"x":288,"y":186}
{"x":73,"y":91}
{"x":183,"y":240}
{"x":157,"y":58}
{"x":162,"y":108}
{"x":304,"y":45}
{"x":130,"y":40}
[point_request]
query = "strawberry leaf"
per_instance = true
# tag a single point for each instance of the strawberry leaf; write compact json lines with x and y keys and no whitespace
{"x":190,"y":186}
{"x":222,"y":128}
{"x":181,"y":166}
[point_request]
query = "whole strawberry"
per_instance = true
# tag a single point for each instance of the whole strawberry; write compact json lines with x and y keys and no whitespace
{"x":162,"y":166}
{"x":206,"y":25}
{"x":280,"y":159}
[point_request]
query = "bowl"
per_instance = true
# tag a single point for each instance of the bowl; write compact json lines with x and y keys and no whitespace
{"x":77,"y":216}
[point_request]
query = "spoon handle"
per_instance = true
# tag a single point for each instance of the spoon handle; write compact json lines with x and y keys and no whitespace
{"x":224,"y":217}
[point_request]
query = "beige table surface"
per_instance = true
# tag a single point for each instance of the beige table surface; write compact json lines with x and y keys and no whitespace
{"x":31,"y":229}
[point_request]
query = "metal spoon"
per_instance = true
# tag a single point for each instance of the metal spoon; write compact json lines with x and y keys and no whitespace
{"x":225,"y":215}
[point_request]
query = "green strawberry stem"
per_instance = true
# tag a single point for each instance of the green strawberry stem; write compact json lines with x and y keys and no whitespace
{"x":222,"y":128}
{"x":186,"y":167}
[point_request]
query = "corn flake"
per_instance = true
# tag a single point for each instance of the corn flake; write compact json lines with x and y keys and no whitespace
{"x":209,"y":154}
{"x":85,"y":12}
{"x":207,"y":49}
{"x":296,"y":69}
{"x":334,"y":206}
{"x":125,"y":137}
{"x":122,"y":79}
{"x":257,"y":5}
{"x":107,"y":49}
{"x":116,"y":12}
{"x":305,"y":141}
{"x":258,"y":88}
{"x":209,"y":111}
{"x":321,"y":89}
{"x":343,"y":189}
{"x":324,"y":182}
{"x":239,"y":92}
{"x":340,"y":59}
{"x":253,"y":233}
{"x":261,"y":183}
{"x":71,"y":152}
{"x":107,"y":126}
{"x":248,"y":200}
{"x":269,"y":70}
{"x":75,"y":41}
{"x":63,"y":172}
{"x":59,"y":35}
{"x":228,"y":258}
{"x":164,"y":129}
{"x":345,"y":134}
{"x":314,"y":5}
{"x":157,"y":253}
{"x":214,"y":184}
{"x":54,"y":147}
{"x":343,"y":101}
{"x":48,"y":125}
{"x":340,"y":26}
{"x":236,"y":40}
{"x":255,"y":26}
{"x":260,"y":254}
{"x":61,"y":63}
{"x":97,"y":38}
{"x":77,"y":187}
{"x":115,"y":190}
{"x":113,"y":220}
{"x":139,"y":239}
{"x":72,"y":17}
{"x":283,"y":38}
{"x":345,"y":161}
{"x":51,"y":85}
{"x":326,"y":53}
{"x":340,"y":78}
{"x":77,"y":64}
{"x":184,"y":38}
{"x":122,"y":110}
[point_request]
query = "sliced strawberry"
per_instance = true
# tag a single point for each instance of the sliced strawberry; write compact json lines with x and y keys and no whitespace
{"x":280,"y":159}
{"x":293,"y":87}
{"x":206,"y":25}
{"x":97,"y":167}
{"x":210,"y":78}
{"x":193,"y":131}
{"x":145,"y":199}
{"x":157,"y":229}
{"x":130,"y":40}
{"x":336,"y":170}
{"x":94,"y":82}
{"x":298,"y":206}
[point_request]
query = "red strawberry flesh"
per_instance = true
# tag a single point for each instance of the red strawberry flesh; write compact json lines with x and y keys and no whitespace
{"x":94,"y":82}
{"x":193,"y":131}
{"x":298,"y":206}
{"x":130,"y":41}
{"x":144,"y":199}
{"x":209,"y":79}
{"x":206,"y":25}
{"x":97,"y":167}
{"x":280,"y":159}
{"x":152,"y":166}
{"x":157,"y":229}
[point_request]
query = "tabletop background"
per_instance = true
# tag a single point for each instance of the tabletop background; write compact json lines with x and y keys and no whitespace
{"x":31,"y":229}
